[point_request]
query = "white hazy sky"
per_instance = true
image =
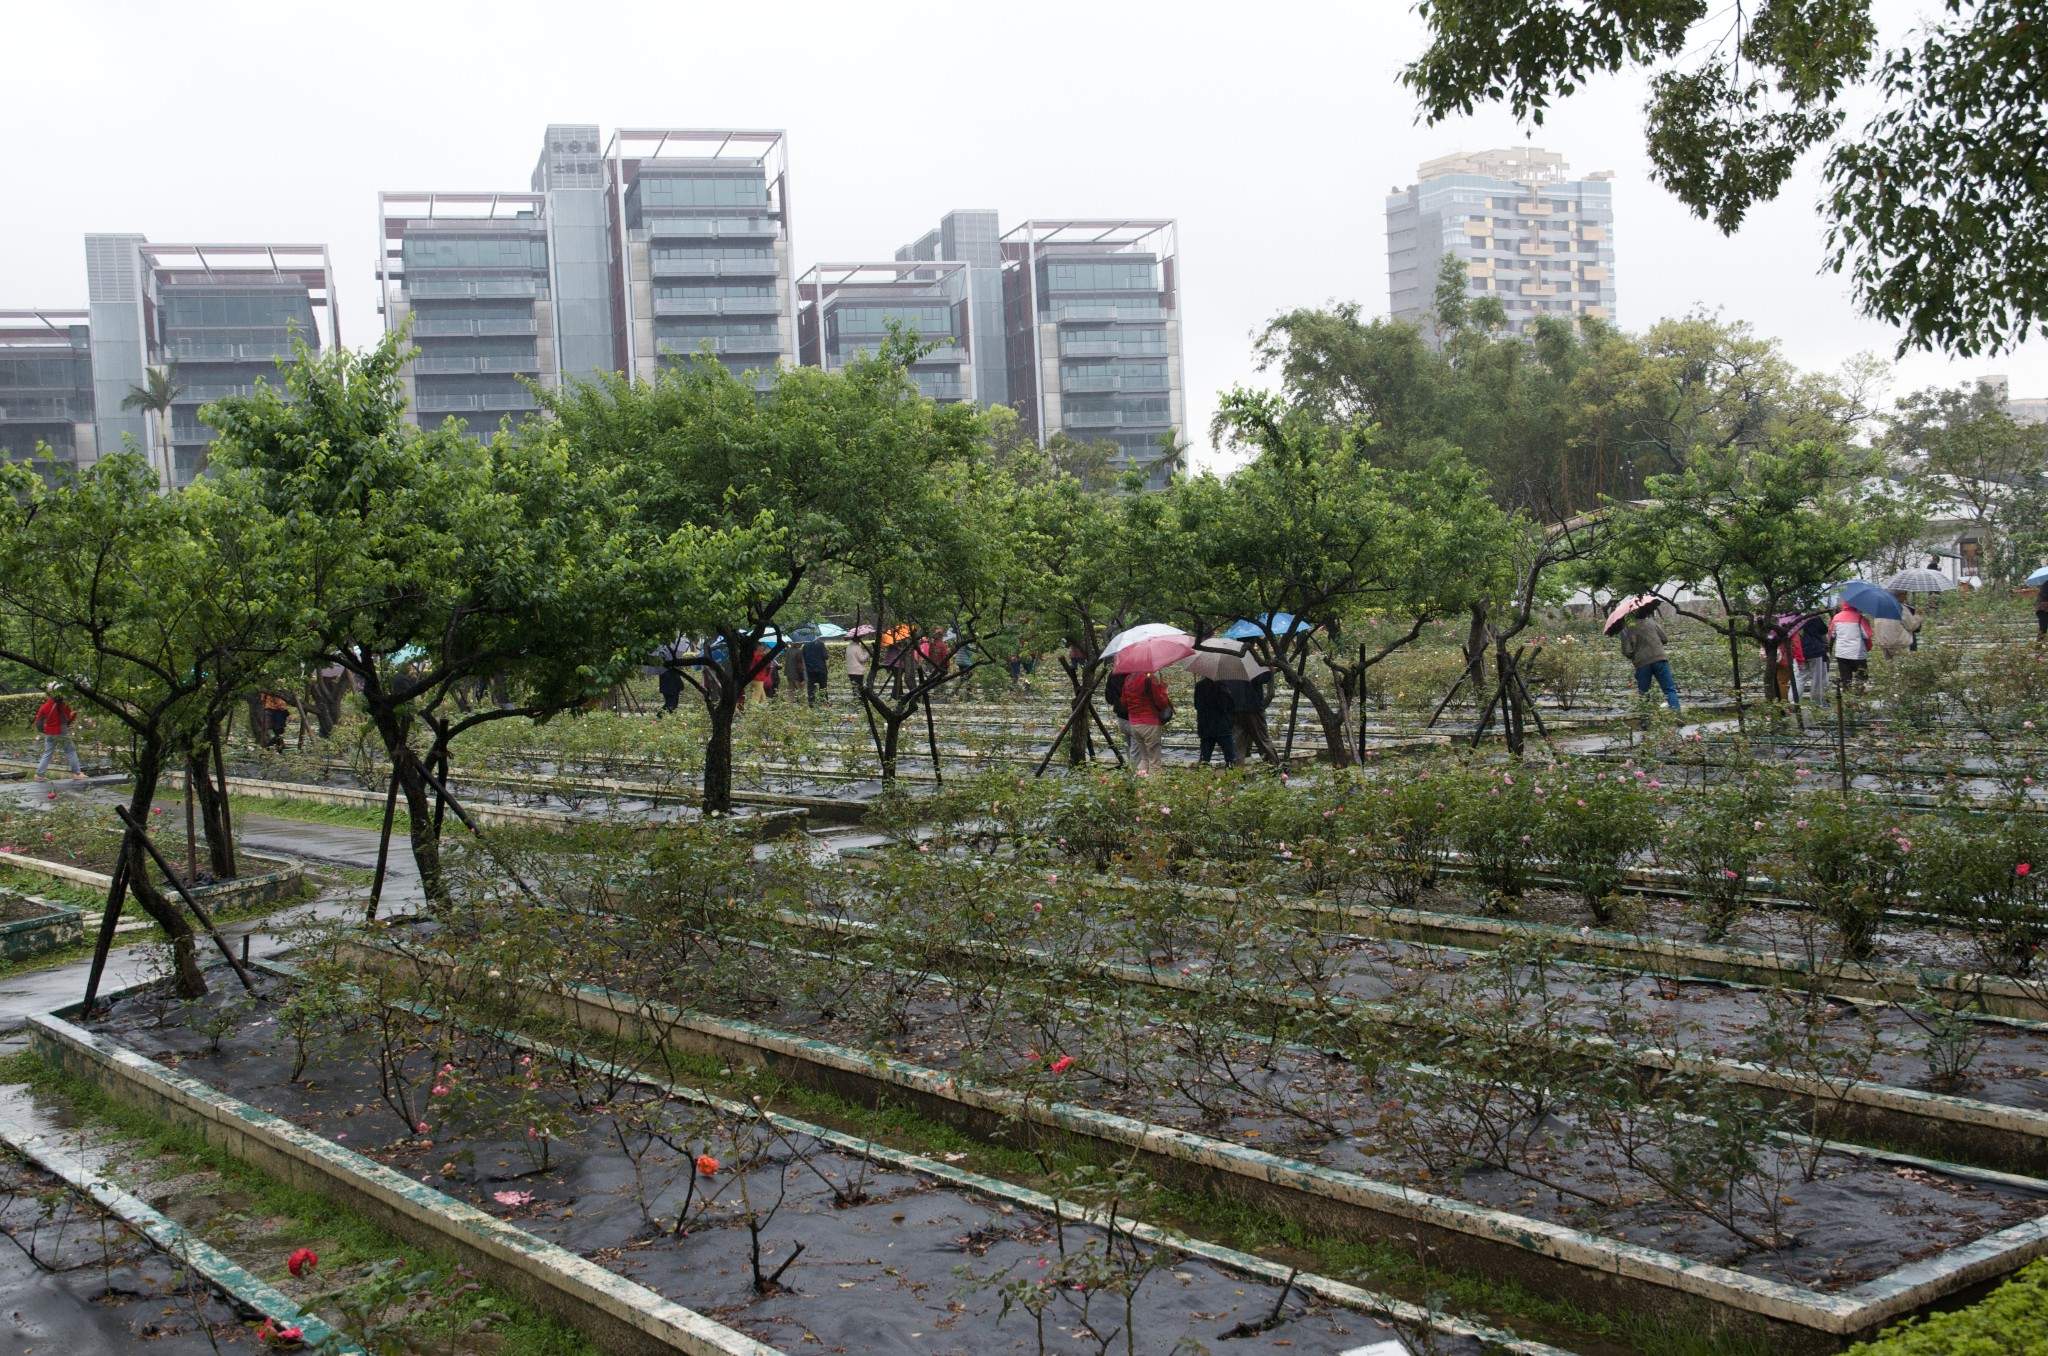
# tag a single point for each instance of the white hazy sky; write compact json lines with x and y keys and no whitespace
{"x":1272,"y":132}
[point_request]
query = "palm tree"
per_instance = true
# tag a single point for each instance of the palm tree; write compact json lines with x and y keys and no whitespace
{"x":154,"y":397}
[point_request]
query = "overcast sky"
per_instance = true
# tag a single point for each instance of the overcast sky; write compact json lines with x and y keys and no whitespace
{"x":1272,"y":132}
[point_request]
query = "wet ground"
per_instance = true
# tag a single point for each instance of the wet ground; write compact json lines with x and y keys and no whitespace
{"x":890,"y":1262}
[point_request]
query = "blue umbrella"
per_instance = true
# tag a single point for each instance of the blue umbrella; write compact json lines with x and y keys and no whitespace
{"x":1281,"y":623}
{"x":1871,"y":600}
{"x":2039,"y":576}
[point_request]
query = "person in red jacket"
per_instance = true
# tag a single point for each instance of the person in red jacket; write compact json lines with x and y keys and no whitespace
{"x":53,"y":723}
{"x":1147,"y":707}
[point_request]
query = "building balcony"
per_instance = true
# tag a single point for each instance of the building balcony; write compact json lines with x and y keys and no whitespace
{"x":445,"y":327}
{"x":678,"y":347}
{"x":192,"y":351}
{"x":712,"y":228}
{"x":718,"y":306}
{"x":1092,"y":384}
{"x":1110,"y":418}
{"x":944,"y":353}
{"x":438,"y":403}
{"x":439,"y":364}
{"x":1108,"y":348}
{"x":1104,"y":310}
{"x":474,"y":287}
{"x":712,"y":268}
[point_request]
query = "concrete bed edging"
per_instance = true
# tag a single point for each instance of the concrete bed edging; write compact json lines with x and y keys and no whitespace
{"x":248,"y":1291}
{"x":618,"y":1315}
{"x":266,"y":887}
{"x":1338,"y":1292}
{"x":24,"y":938}
{"x":1600,"y":1274}
{"x":781,"y":810}
{"x":1963,"y":1129}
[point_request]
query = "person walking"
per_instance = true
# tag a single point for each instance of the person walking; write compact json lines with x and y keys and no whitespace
{"x":1643,"y":645}
{"x":1248,"y":701}
{"x":53,"y":723}
{"x":277,"y":715}
{"x":1894,"y":638}
{"x":671,"y":684}
{"x":1212,"y":721}
{"x":1852,"y":644}
{"x":856,"y":666}
{"x":1113,"y":692}
{"x":1148,"y":708}
{"x":1810,"y":654}
{"x":817,"y":668}
{"x":2041,"y":609}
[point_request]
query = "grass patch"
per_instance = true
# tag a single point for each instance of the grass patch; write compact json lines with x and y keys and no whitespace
{"x":319,"y":812}
{"x":345,"y":1241}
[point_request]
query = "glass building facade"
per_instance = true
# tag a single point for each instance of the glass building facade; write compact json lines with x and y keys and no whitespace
{"x":46,"y":393}
{"x":701,"y":240}
{"x":470,"y":271}
{"x":1092,"y":325}
{"x":216,"y":317}
{"x":1525,"y":232}
{"x":846,"y":310}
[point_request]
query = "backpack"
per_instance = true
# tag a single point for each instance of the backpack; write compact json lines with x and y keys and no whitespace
{"x":1115,"y":691}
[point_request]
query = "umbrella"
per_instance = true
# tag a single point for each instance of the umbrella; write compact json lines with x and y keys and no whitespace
{"x":896,"y":634}
{"x":2038,"y":577}
{"x":1871,"y":600}
{"x":828,"y":630}
{"x":864,"y":629}
{"x":1147,"y":648}
{"x":1223,"y":660}
{"x":1280,"y":623}
{"x":1920,"y":581}
{"x":1626,"y":608}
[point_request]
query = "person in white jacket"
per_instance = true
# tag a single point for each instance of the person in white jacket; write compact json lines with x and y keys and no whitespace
{"x":1852,"y":644}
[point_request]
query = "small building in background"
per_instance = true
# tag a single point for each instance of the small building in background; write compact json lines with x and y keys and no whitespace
{"x":1523,"y":229}
{"x":845,"y":311}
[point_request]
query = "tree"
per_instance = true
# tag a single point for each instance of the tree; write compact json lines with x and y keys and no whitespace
{"x":811,"y":474}
{"x":1935,"y":208}
{"x":1311,"y":529}
{"x":428,"y":565}
{"x":159,"y":391}
{"x":1765,"y":530}
{"x":1960,"y":450}
{"x":135,"y":602}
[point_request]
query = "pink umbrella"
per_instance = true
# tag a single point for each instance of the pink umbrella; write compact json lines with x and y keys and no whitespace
{"x":1148,"y":648}
{"x":1626,"y":608}
{"x":862,"y":630}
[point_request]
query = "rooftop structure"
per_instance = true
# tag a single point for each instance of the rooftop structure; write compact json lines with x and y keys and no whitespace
{"x":845,"y":311}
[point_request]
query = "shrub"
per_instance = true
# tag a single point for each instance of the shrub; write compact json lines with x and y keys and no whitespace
{"x":1849,"y":862}
{"x":1495,"y":818}
{"x":2011,"y":1321}
{"x":1980,"y":875}
{"x":1717,"y":840}
{"x":1592,"y":824}
{"x":1414,"y":836}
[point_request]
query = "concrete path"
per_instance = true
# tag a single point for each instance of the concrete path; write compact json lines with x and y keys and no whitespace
{"x":316,"y":844}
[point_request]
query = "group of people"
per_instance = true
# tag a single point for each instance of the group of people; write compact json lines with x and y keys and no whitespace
{"x":1230,"y":718}
{"x":1805,"y":646}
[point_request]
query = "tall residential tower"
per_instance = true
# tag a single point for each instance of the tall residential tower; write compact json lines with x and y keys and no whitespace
{"x":1543,"y":243}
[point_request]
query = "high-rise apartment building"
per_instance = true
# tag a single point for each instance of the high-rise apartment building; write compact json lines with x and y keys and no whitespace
{"x":973,"y":239}
{"x":1092,"y":325}
{"x":1525,"y":232}
{"x":846,"y":310}
{"x":46,"y":395}
{"x":701,"y":248}
{"x":216,"y":317}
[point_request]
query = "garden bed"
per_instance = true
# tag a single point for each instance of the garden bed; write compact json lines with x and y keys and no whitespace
{"x":897,"y":1255}
{"x":30,"y":926}
{"x":1809,"y":1302}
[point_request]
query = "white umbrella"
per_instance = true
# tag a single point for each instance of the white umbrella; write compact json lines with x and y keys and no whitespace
{"x":1148,"y":648}
{"x":1917,"y":580}
{"x":1224,"y":660}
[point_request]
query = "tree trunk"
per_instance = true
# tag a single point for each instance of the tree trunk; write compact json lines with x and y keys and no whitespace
{"x":395,"y":731}
{"x":892,"y":725}
{"x":187,"y":981}
{"x":1336,"y":728}
{"x":326,"y":694}
{"x":213,"y":812}
{"x":718,"y":752}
